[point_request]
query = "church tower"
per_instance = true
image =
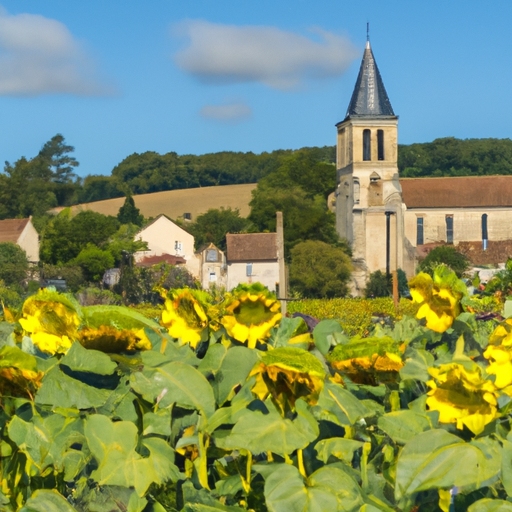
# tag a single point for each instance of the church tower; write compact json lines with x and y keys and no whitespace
{"x":369,"y":207}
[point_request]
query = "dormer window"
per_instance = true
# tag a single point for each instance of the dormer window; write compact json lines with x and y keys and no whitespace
{"x":374,"y":177}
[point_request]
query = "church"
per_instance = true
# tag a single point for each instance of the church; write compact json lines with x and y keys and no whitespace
{"x":392,"y":222}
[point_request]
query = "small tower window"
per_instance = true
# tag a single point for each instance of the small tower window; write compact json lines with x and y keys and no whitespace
{"x":367,"y":145}
{"x":485,"y":236}
{"x":380,"y":144}
{"x":449,"y":229}
{"x":419,"y":231}
{"x":357,"y":192}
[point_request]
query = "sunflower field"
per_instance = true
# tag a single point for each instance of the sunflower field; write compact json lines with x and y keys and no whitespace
{"x":225,"y":405}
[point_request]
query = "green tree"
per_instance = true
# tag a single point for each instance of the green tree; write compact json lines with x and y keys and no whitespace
{"x":13,"y":264}
{"x":304,"y":218}
{"x":212,"y":227}
{"x":65,"y":236}
{"x":94,"y":261}
{"x":444,"y":255}
{"x":55,"y":154}
{"x":319,"y":270}
{"x":129,"y":213}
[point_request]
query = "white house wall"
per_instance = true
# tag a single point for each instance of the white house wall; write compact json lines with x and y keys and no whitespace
{"x":29,"y":242}
{"x":266,"y":273}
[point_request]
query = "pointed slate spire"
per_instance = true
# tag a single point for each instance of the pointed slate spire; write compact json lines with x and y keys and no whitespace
{"x":369,"y":97}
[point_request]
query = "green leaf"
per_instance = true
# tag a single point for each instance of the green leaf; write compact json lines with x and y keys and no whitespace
{"x":158,"y":422}
{"x":174,"y":383}
{"x":402,"y":426}
{"x":438,"y":460}
{"x":488,"y":505}
{"x":13,"y":357}
{"x":338,"y":447}
{"x":80,"y":359}
{"x":329,"y":488}
{"x":417,"y":362}
{"x":60,"y":390}
{"x":288,"y":328}
{"x":323,"y":334}
{"x":45,"y":500}
{"x":506,"y":467}
{"x":119,"y":317}
{"x":212,"y":360}
{"x":340,"y":406}
{"x":259,"y":433}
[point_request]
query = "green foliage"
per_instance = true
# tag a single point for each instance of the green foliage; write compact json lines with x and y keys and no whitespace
{"x":456,"y":157}
{"x":94,"y":262}
{"x":65,"y":236}
{"x":13,"y":264}
{"x":72,"y":274}
{"x":501,"y":281}
{"x":444,"y":255}
{"x":378,"y":285}
{"x":129,"y":213}
{"x":172,"y":428}
{"x":212,"y":227}
{"x":304,"y":218}
{"x":319,"y":270}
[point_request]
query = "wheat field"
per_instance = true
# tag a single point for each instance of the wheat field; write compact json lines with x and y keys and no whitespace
{"x":175,"y":203}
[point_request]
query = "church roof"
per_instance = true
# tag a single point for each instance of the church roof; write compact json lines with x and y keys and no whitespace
{"x":369,"y":97}
{"x":457,"y":192}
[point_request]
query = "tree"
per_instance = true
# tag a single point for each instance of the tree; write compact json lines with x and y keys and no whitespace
{"x":444,"y":255}
{"x":212,"y":227}
{"x":304,"y":218}
{"x":94,"y":261}
{"x":13,"y":263}
{"x":129,"y":213}
{"x":380,"y":285}
{"x":65,"y":236}
{"x":319,"y":270}
{"x":55,"y":154}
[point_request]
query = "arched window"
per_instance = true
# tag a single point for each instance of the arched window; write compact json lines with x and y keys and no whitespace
{"x":367,"y":145}
{"x":485,"y":236}
{"x":357,"y":191}
{"x":380,"y":144}
{"x":449,"y":229}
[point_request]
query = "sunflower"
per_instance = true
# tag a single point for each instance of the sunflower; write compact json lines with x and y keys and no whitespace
{"x":250,"y":314}
{"x":462,"y":396}
{"x":286,"y":374}
{"x":185,"y":317}
{"x":500,"y":359}
{"x":439,"y":297}
{"x":111,"y":340}
{"x":51,"y":320}
{"x":368,"y":360}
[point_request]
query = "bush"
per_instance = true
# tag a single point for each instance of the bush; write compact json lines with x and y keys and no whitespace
{"x":444,"y":255}
{"x":72,"y":274}
{"x":95,"y":296}
{"x":13,"y":264}
{"x":378,"y":285}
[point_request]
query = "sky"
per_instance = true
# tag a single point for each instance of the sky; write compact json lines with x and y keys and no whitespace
{"x":200,"y":76}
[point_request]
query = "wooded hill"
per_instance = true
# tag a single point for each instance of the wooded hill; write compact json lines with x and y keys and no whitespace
{"x":33,"y":186}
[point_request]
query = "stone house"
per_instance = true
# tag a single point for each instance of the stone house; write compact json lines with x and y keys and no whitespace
{"x":22,"y":233}
{"x":251,"y":258}
{"x":389,"y":221}
{"x":164,"y":237}
{"x":213,"y":267}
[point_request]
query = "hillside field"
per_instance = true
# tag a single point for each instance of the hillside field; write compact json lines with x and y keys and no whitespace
{"x":174,"y":203}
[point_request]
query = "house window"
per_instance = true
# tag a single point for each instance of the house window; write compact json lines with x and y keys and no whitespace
{"x":211,"y":255}
{"x":357,"y":191}
{"x":485,"y":236}
{"x":187,"y":216}
{"x":367,"y":145}
{"x":249,"y":270}
{"x":213,"y":277}
{"x":178,"y":247}
{"x":419,"y":231}
{"x":380,"y":144}
{"x":449,"y":229}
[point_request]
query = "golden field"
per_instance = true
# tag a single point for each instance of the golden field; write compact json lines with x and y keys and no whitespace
{"x":174,"y":203}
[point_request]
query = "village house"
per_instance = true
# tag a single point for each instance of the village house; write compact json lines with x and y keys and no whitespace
{"x":22,"y":233}
{"x":251,"y":258}
{"x":164,"y":237}
{"x":390,"y":221}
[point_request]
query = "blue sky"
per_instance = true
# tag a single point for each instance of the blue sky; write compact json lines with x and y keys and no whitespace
{"x":200,"y":76}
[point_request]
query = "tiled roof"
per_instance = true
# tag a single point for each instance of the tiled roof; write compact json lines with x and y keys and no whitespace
{"x":251,"y":247}
{"x":369,"y":97}
{"x":11,"y":229}
{"x":149,"y":261}
{"x":498,"y":251}
{"x":457,"y":192}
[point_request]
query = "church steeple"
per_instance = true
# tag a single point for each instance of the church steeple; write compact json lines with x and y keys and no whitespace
{"x":369,"y":97}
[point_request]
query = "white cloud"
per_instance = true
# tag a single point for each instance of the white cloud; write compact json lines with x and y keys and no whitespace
{"x":226,"y":54}
{"x":233,"y":112}
{"x":39,"y":55}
